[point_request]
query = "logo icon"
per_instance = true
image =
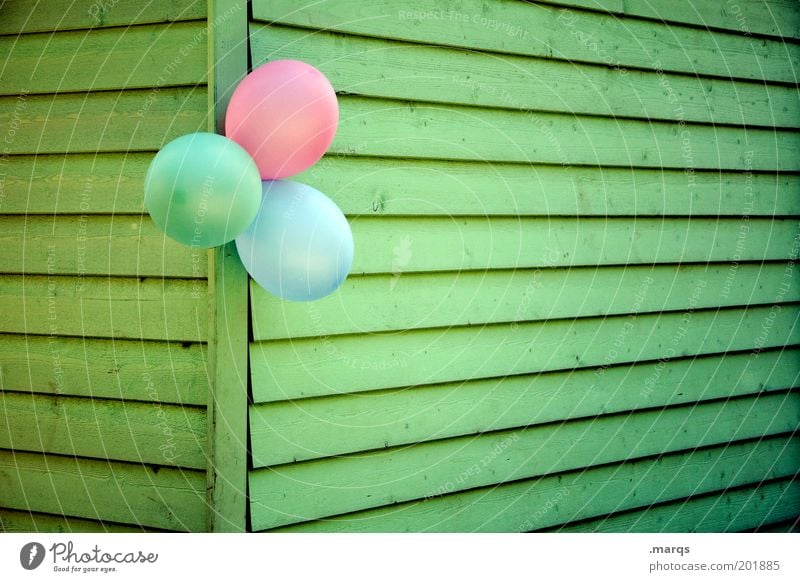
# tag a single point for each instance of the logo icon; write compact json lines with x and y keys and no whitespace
{"x":31,"y":555}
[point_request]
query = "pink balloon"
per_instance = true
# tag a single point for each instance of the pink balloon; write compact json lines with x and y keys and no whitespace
{"x":284,"y":114}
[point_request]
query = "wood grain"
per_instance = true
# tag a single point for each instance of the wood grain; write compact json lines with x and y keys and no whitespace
{"x":389,"y":187}
{"x":75,"y":184}
{"x":14,"y":521}
{"x":780,"y":18}
{"x":558,"y":499}
{"x":105,"y":429}
{"x":103,"y":121}
{"x":723,"y":512}
{"x":402,"y":301}
{"x":86,"y":245}
{"x":106,"y":59}
{"x":153,"y":309}
{"x":285,"y":432}
{"x":119,"y":369}
{"x":390,"y":128}
{"x":316,"y":489}
{"x":226,"y":479}
{"x":525,"y":28}
{"x":400,"y":70}
{"x":340,"y":364}
{"x":142,"y":495}
{"x":74,"y":14}
{"x":406,"y":245}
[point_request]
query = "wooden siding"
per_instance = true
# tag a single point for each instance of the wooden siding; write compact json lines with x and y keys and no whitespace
{"x":574,"y":300}
{"x":780,"y":18}
{"x":574,"y":495}
{"x":103,"y":345}
{"x":538,"y":30}
{"x":102,"y":490}
{"x":455,"y":76}
{"x":71,"y":14}
{"x":728,"y":511}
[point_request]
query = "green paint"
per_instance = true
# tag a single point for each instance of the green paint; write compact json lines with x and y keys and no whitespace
{"x":106,"y":121}
{"x":168,"y":309}
{"x":79,"y":14}
{"x":126,"y":431}
{"x":721,"y":511}
{"x":76,"y":184}
{"x":108,"y":59}
{"x":421,"y":300}
{"x":387,"y":128}
{"x":399,"y":70}
{"x":474,"y":243}
{"x":541,"y":31}
{"x":472,"y":154}
{"x":226,"y":478}
{"x":13,"y":521}
{"x":148,"y":371}
{"x":779,"y":18}
{"x":321,"y":427}
{"x":104,"y":378}
{"x":339,"y":364}
{"x":132,"y":493}
{"x":524,"y":505}
{"x":124,"y":245}
{"x":298,"y":492}
{"x":445,"y":187}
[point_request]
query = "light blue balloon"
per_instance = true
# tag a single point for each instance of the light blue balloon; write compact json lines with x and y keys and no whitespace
{"x":300,"y":246}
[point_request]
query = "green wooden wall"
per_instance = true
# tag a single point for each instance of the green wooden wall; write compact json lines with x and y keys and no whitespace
{"x":103,"y":337}
{"x":573,"y":307}
{"x":574,"y":299}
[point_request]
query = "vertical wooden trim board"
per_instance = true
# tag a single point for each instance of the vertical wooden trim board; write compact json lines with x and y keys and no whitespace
{"x":227,"y":403}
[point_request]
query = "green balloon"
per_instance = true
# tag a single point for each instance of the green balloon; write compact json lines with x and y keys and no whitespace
{"x":203,"y":189}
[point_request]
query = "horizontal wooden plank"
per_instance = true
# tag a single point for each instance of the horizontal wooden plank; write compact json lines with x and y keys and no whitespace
{"x":315,"y":489}
{"x":106,"y":121}
{"x":149,"y":496}
{"x":133,"y":245}
{"x":105,"y":429}
{"x":121,"y":369}
{"x":779,"y":18}
{"x":128,"y":245}
{"x":15,"y":521}
{"x":284,"y":432}
{"x":19,"y":16}
{"x":375,"y":186}
{"x":74,"y":184}
{"x":414,"y":301}
{"x":557,"y":499}
{"x":727,"y":511}
{"x":388,"y":128}
{"x":114,"y":184}
{"x":405,"y":245}
{"x":524,"y":28}
{"x":158,"y":309}
{"x":791,"y":525}
{"x":391,"y":69}
{"x":356,"y":363}
{"x":138,"y":56}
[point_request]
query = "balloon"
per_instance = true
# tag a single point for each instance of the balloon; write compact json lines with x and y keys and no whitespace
{"x":202,"y":189}
{"x":300,"y":246}
{"x":284,"y":114}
